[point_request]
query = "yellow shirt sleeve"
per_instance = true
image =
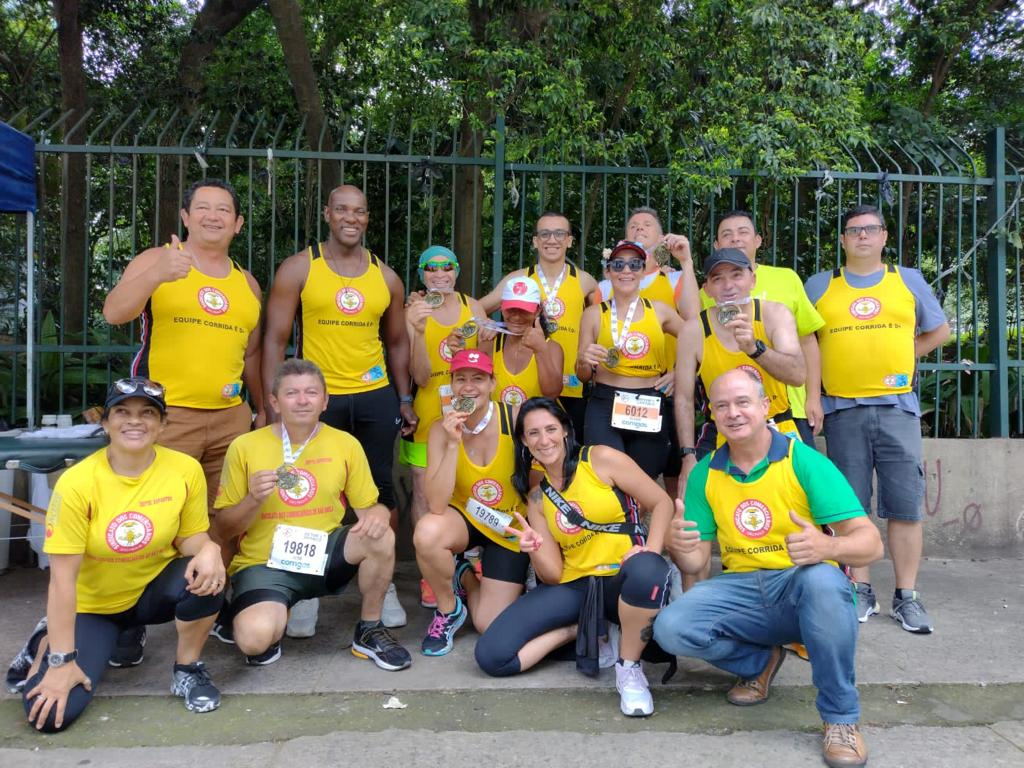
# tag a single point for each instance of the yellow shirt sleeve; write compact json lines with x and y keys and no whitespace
{"x":359,"y":486}
{"x":234,"y":481}
{"x":195,"y":517}
{"x":67,"y":520}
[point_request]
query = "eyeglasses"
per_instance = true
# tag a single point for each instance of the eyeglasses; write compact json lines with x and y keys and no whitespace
{"x":635,"y":265}
{"x":129,"y":386}
{"x":867,"y":229}
{"x":446,"y":267}
{"x":553,"y":234}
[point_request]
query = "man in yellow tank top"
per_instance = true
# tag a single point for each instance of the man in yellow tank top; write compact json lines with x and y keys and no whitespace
{"x":352,"y":325}
{"x":878,"y":320}
{"x":565,"y":290}
{"x":768,"y":499}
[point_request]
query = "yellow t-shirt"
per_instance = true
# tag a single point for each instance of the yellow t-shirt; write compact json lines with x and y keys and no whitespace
{"x":514,"y":388}
{"x":642,"y":351}
{"x":591,"y":553}
{"x":194,"y":333}
{"x":124,"y":527}
{"x":566,"y":308}
{"x":340,"y":325}
{"x":430,"y":399}
{"x":334,"y":474}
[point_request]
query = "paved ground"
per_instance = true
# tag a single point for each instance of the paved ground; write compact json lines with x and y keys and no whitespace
{"x":954,"y":698}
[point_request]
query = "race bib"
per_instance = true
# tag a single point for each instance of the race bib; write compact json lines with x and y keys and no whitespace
{"x":299,"y":550}
{"x":445,"y":393}
{"x":639,"y":413}
{"x":490,"y":518}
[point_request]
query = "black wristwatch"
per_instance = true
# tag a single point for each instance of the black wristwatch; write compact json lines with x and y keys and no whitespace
{"x":60,"y":659}
{"x":759,"y":349}
{"x":686,"y":450}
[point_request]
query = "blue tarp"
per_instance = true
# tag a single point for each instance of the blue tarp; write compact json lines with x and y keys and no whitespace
{"x":17,"y":171}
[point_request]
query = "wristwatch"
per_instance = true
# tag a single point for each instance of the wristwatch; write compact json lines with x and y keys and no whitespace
{"x":406,"y":399}
{"x":759,"y":349}
{"x":60,"y":659}
{"x":687,"y":450}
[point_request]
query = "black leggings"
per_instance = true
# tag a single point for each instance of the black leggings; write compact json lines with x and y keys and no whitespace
{"x":641,"y":582}
{"x":164,"y":599}
{"x":648,"y":449}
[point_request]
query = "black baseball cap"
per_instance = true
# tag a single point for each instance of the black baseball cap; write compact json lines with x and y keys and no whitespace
{"x":136,"y":386}
{"x":733,"y":256}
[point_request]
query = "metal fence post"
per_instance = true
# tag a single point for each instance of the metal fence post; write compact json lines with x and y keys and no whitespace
{"x":998,"y":408}
{"x":499,"y":199}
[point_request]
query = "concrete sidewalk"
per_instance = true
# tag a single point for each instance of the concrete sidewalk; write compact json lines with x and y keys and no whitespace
{"x":952,"y":698}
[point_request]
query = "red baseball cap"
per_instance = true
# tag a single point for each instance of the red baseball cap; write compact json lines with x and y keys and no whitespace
{"x":472,"y":358}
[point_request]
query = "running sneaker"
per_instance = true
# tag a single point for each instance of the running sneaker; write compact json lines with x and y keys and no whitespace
{"x":608,"y":647}
{"x":192,"y":682}
{"x":269,"y":656}
{"x":223,"y":632}
{"x":462,"y":566}
{"x":302,"y":618}
{"x":392,"y":613}
{"x":427,"y":597}
{"x":128,"y":652}
{"x":634,"y":694}
{"x":379,"y":645}
{"x":17,"y":672}
{"x":867,"y":603}
{"x":909,"y":612}
{"x":441,"y":633}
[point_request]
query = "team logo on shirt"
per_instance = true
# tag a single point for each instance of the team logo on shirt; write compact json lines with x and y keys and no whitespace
{"x":554,"y":308}
{"x":444,"y":351}
{"x":213,"y":301}
{"x":635,"y":345}
{"x":865,"y":307}
{"x":349,"y":300}
{"x":129,"y":532}
{"x":488,"y":491}
{"x":513,"y":395}
{"x":302,"y":492}
{"x":752,"y":518}
{"x":563,"y":522}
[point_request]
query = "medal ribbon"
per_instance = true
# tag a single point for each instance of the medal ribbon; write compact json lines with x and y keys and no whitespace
{"x":291,"y":457}
{"x":551,"y":292}
{"x":483,"y":422}
{"x":616,"y":338}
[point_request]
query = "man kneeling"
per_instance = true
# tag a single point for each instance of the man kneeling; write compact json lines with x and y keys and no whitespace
{"x":766,"y":496}
{"x":285,"y":487}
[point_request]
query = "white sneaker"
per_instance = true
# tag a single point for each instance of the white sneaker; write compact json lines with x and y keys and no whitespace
{"x":392,"y":613}
{"x":608,"y":647}
{"x":302,"y":619}
{"x":634,"y":695}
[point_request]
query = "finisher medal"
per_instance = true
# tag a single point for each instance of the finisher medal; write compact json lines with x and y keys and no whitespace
{"x":551,"y":326}
{"x":468,"y":329}
{"x":662,"y":254}
{"x":433,"y":298}
{"x":611,"y":359}
{"x":728,"y":312}
{"x":286,"y":479}
{"x":464,"y":404}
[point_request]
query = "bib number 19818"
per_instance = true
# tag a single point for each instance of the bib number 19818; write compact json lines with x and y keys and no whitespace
{"x":299,"y":550}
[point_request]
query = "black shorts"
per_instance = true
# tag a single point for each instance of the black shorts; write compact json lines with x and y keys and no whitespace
{"x":374,"y":420}
{"x":497,"y":562}
{"x":576,"y":407}
{"x":648,"y":449}
{"x":674,"y":462}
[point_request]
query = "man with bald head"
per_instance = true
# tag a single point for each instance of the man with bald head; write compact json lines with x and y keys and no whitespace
{"x":351,"y":324}
{"x":784,"y":516}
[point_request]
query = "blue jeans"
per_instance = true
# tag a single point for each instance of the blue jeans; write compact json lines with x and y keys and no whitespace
{"x":734,"y":620}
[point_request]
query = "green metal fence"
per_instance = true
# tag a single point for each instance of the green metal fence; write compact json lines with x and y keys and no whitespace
{"x":952,"y":215}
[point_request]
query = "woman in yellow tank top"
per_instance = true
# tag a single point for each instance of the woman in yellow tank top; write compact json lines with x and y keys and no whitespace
{"x":471,"y":501}
{"x":527,"y":361}
{"x":622,"y":349}
{"x":430,"y":327}
{"x":584,"y":540}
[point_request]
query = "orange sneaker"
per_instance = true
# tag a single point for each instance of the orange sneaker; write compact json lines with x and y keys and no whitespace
{"x":427,"y":597}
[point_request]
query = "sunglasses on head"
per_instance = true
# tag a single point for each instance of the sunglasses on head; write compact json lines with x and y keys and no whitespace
{"x":635,"y":265}
{"x":130,"y":386}
{"x":433,"y":267}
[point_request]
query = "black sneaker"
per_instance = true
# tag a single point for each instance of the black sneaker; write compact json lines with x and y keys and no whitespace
{"x":379,"y":645}
{"x":269,"y":656}
{"x":223,"y":632}
{"x":441,"y":633}
{"x":17,"y":673}
{"x":128,"y":652}
{"x":192,"y":682}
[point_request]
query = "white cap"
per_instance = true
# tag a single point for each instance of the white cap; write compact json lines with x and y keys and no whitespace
{"x":521,"y":293}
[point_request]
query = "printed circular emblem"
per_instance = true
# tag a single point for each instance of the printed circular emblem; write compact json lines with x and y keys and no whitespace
{"x":752,"y":518}
{"x":349,"y":300}
{"x":865,"y":307}
{"x":212,"y":301}
{"x":635,"y":346}
{"x":513,"y":395}
{"x":129,"y":532}
{"x":444,"y":351}
{"x":519,"y":288}
{"x":301,"y":492}
{"x":554,"y":308}
{"x":488,"y":491}
{"x":563,"y":523}
{"x":752,"y":371}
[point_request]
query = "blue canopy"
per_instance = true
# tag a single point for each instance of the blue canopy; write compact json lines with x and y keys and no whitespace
{"x":17,"y":171}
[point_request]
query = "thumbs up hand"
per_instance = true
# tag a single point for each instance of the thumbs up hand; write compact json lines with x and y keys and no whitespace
{"x":809,"y":544}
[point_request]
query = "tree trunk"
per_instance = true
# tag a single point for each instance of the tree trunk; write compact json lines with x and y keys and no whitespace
{"x":469,"y":202}
{"x":73,"y":223}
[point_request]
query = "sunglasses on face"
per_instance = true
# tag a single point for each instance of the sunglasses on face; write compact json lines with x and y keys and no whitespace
{"x":130,"y":386}
{"x":446,"y":267}
{"x":868,"y":229}
{"x":635,"y":265}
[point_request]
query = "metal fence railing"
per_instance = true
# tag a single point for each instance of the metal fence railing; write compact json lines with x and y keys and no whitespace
{"x":951,"y":214}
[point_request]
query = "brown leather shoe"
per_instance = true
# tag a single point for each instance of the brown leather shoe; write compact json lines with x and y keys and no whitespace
{"x":843,"y":746}
{"x":754,"y":690}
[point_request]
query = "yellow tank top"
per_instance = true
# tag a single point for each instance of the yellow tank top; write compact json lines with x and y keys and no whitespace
{"x":491,"y":485}
{"x":590,"y":553}
{"x":867,"y":344}
{"x":661,"y":289}
{"x":566,"y":308}
{"x":717,"y":360}
{"x":753,"y":518}
{"x":431,"y":399}
{"x":340,"y":325}
{"x":642,"y":352}
{"x":194,"y":333}
{"x":514,"y":388}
